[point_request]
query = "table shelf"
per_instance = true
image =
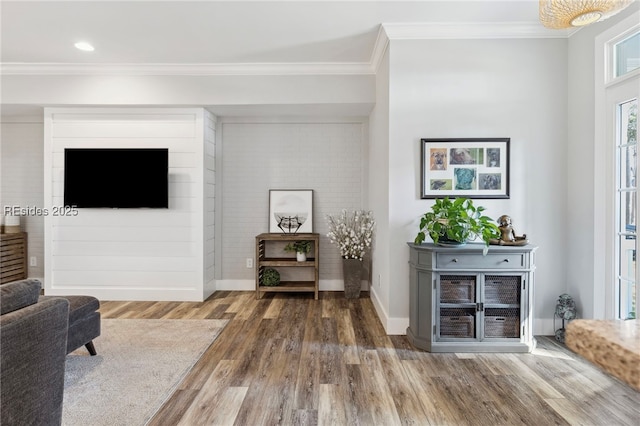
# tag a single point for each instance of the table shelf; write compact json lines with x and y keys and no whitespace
{"x":268,"y":244}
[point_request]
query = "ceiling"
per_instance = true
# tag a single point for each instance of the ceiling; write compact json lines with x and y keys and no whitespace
{"x":212,"y":37}
{"x":224,"y":32}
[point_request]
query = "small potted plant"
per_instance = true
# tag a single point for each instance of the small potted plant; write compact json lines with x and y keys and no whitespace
{"x":455,"y":222}
{"x":270,"y":277}
{"x":302,"y":248}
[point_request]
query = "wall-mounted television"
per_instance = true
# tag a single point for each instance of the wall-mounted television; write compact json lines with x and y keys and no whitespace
{"x":116,"y":177}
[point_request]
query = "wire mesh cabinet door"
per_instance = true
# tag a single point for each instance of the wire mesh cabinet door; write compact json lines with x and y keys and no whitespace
{"x":480,"y":306}
{"x":457,"y":297}
{"x":502,"y":306}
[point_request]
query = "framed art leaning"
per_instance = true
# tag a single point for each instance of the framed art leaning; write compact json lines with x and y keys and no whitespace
{"x":472,"y":168}
{"x":290,"y":211}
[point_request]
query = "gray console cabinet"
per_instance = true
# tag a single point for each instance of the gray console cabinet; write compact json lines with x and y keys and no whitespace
{"x":464,"y":301}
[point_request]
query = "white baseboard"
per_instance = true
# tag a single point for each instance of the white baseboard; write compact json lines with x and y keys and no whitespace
{"x":235,"y":285}
{"x":128,"y":294}
{"x":248,"y":285}
{"x":544,"y":326}
{"x":397,"y":326}
{"x":392,"y":326}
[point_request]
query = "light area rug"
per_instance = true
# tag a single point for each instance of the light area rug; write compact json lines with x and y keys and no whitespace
{"x":140,"y":362}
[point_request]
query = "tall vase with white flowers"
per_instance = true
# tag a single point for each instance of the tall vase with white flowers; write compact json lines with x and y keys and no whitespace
{"x":352,"y":232}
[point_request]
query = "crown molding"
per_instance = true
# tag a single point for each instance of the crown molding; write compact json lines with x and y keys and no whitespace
{"x":356,"y":68}
{"x":386,"y":33}
{"x":458,"y":31}
{"x":379,"y":49}
{"x":471,"y":30}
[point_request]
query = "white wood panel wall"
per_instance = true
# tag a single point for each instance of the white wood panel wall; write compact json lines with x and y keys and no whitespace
{"x":209,"y":202}
{"x":131,"y":254}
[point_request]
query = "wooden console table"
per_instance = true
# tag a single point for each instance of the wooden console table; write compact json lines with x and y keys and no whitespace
{"x":269,"y":254}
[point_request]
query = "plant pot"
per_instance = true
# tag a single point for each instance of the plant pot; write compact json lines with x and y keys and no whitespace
{"x":301,"y":256}
{"x":352,"y":272}
{"x":443,"y":241}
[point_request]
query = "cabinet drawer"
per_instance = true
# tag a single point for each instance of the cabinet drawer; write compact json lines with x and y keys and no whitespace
{"x":457,"y":289}
{"x":472,"y":261}
{"x":503,"y":323}
{"x":458,"y":323}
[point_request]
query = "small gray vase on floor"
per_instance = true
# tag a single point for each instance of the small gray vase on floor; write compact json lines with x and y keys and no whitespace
{"x":352,"y":270}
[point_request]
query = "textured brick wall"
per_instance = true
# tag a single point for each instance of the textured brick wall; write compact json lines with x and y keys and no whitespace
{"x":325,"y":157}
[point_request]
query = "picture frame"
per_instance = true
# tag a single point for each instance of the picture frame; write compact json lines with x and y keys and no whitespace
{"x":468,"y":167}
{"x":291,"y":211}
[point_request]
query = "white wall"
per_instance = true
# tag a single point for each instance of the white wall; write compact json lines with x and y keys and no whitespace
{"x":325,"y":155}
{"x":164,"y":90}
{"x":482,"y":88}
{"x":128,"y":254}
{"x":585,"y":261}
{"x":21,"y":158}
{"x":379,"y":144}
{"x":521,"y":89}
{"x":209,"y":206}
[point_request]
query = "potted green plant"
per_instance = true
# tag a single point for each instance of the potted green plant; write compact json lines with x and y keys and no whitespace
{"x":270,"y":277}
{"x":454,"y":222}
{"x":302,"y":248}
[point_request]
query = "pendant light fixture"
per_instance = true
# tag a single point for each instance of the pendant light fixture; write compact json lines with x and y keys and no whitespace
{"x":558,"y":14}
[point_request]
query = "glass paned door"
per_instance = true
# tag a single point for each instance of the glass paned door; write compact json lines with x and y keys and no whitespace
{"x":626,"y":291}
{"x":627,"y":55}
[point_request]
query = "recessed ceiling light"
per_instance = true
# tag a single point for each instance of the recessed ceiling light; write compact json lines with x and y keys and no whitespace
{"x":83,"y":45}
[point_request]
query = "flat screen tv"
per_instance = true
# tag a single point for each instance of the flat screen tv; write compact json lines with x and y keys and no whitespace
{"x":116,"y":178}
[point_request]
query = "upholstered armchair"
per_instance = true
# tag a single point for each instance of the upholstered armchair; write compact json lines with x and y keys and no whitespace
{"x":33,"y":347}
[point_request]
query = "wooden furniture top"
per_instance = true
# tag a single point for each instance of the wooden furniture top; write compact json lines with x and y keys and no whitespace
{"x":273,"y":236}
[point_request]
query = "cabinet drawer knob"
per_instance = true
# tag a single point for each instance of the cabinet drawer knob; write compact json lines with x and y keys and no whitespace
{"x":506,"y":260}
{"x":454,"y":260}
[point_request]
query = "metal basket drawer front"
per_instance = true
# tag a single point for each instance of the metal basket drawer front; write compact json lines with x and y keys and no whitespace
{"x":490,"y":261}
{"x":457,"y":323}
{"x":457,"y":289}
{"x":502,"y":289}
{"x":502,"y":323}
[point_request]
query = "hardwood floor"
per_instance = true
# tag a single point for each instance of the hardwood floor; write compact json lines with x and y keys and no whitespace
{"x":289,"y":359}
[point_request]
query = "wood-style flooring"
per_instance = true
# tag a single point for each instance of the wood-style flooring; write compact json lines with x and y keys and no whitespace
{"x":288,"y":359}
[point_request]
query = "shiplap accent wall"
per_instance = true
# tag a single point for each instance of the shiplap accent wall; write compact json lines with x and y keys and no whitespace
{"x":209,"y":200}
{"x":21,"y":182}
{"x":131,"y":254}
